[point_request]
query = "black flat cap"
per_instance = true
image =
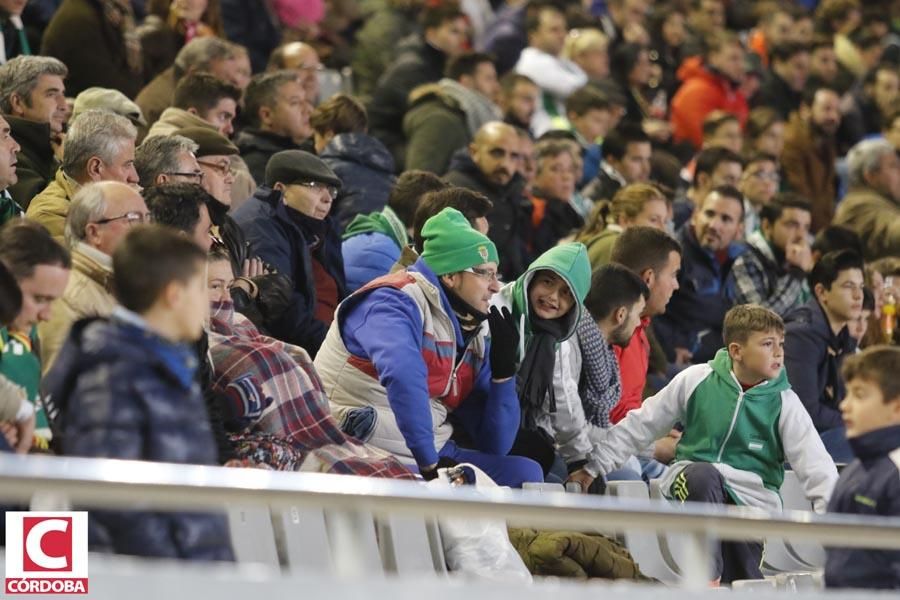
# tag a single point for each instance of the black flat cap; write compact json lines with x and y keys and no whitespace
{"x":295,"y":166}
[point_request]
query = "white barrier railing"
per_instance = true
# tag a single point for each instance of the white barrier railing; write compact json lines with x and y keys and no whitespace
{"x":104,"y":483}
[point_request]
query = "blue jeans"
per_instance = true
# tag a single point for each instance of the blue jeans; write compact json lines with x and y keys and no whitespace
{"x":835,"y":441}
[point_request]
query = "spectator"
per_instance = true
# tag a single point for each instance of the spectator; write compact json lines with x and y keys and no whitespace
{"x":200,"y":100}
{"x":40,"y":268}
{"x":32,"y":96}
{"x":126,"y":389}
{"x":589,"y":114}
{"x":554,"y":216}
{"x":506,"y":37}
{"x":362,"y":163}
{"x":626,"y":160}
{"x":871,"y":410}
{"x":100,"y":217}
{"x":254,"y":25}
{"x":715,"y":167}
{"x":443,"y":37}
{"x":746,"y":380}
{"x":872,"y":207}
{"x":707,"y":85}
{"x":691,"y":328}
{"x":859,"y":326}
{"x":444,"y":117}
{"x":772,"y":272}
{"x":474,"y":207}
{"x":775,"y":27}
{"x":376,"y":41}
{"x":113,"y":101}
{"x":17,"y":38}
{"x":841,"y":18}
{"x":542,"y":62}
{"x":491,"y":168}
{"x":722,"y":130}
{"x":783,"y":86}
{"x":891,"y":129}
{"x":706,"y":18}
{"x":398,"y":396}
{"x":288,"y":225}
{"x":640,"y":204}
{"x":167,"y":159}
{"x":213,"y":153}
{"x":519,"y":99}
{"x":624,"y":17}
{"x":303,"y":60}
{"x":668,"y":34}
{"x":16,"y":411}
{"x":277,"y":112}
{"x":183,"y":207}
{"x":823,"y":63}
{"x":764,"y":132}
{"x":645,"y":107}
{"x":810,"y":152}
{"x":97,"y":44}
{"x":9,"y":209}
{"x":880,"y":97}
{"x":99,"y":147}
{"x":817,"y":339}
{"x":834,"y":238}
{"x":373,"y":243}
{"x":759,"y":183}
{"x":588,"y":48}
{"x":168,"y":27}
{"x":655,"y":257}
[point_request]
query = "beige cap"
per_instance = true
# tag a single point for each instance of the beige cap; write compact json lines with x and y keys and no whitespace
{"x":98,"y":98}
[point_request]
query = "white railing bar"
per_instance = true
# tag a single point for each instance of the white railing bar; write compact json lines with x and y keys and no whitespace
{"x":105,"y":483}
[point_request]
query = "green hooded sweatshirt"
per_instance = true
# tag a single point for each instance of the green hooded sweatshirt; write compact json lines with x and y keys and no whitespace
{"x":386,"y":222}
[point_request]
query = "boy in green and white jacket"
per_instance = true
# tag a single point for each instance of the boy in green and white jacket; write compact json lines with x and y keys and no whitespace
{"x":742,"y":422}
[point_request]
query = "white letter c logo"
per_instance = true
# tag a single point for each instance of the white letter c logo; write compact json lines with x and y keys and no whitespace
{"x":33,"y":544}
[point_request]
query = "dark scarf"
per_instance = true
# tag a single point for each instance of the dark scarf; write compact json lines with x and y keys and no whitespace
{"x":468,"y":316}
{"x":314,"y":230}
{"x":534,"y":382}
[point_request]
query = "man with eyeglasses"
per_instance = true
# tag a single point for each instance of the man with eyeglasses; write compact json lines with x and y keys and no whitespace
{"x":167,"y":159}
{"x":759,"y":183}
{"x":100,"y":217}
{"x":415,"y":363}
{"x":288,"y":225}
{"x":302,"y":59}
{"x":816,"y":340}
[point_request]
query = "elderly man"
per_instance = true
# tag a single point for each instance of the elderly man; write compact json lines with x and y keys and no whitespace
{"x":9,"y":209}
{"x":872,"y":208}
{"x":100,"y":216}
{"x":213,"y":153}
{"x":303,"y":60}
{"x":167,"y":159}
{"x":32,"y":95}
{"x":99,"y":147}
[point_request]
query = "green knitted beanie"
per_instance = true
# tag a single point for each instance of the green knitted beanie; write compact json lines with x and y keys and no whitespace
{"x":451,"y":245}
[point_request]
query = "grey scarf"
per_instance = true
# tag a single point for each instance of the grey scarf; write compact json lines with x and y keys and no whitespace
{"x":600,"y":386}
{"x":479,"y":109}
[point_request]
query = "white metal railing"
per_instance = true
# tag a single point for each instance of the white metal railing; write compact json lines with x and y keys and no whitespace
{"x":105,"y":483}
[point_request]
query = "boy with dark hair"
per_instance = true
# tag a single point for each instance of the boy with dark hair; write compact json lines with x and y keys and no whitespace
{"x":742,"y":422}
{"x":125,"y":388}
{"x":589,"y":113}
{"x":626,"y":159}
{"x":869,"y":485}
{"x":182,"y":206}
{"x":201,"y":100}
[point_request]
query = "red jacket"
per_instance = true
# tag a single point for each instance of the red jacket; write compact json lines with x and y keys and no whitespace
{"x":634,"y":361}
{"x":701,"y":93}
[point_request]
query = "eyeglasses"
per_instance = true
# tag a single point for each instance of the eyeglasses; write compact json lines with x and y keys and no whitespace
{"x":490,"y":276}
{"x":319,"y":187}
{"x":198,"y":175}
{"x":133,"y":218}
{"x":222,"y":169}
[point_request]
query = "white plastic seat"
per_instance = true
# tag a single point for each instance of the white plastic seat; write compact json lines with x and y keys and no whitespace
{"x":252,"y":536}
{"x":303,"y":539}
{"x":794,"y":498}
{"x":406,"y":546}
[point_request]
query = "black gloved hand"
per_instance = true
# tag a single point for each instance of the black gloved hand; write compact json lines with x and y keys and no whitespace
{"x":442,"y":463}
{"x":504,"y":343}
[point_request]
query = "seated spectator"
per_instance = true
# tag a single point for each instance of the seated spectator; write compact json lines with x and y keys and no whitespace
{"x":626,"y":160}
{"x":395,"y":391}
{"x":879,"y":98}
{"x":9,"y":209}
{"x":99,"y":147}
{"x":691,"y":328}
{"x":376,"y":43}
{"x":775,"y":27}
{"x":589,"y":49}
{"x":303,"y":60}
{"x":181,"y":206}
{"x":782,"y":88}
{"x":32,"y":96}
{"x":640,"y":204}
{"x":542,"y":62}
{"x":810,"y":152}
{"x":16,"y":410}
{"x":362,"y":163}
{"x":759,"y":183}
{"x":668,"y":36}
{"x":817,"y":340}
{"x":554,"y":216}
{"x":167,"y":159}
{"x":722,"y":130}
{"x":716,"y":167}
{"x":474,"y":207}
{"x":277,"y":112}
{"x":445,"y":116}
{"x":40,"y":268}
{"x":96,"y":44}
{"x":373,"y":243}
{"x":872,"y":208}
{"x":126,"y":389}
{"x":168,"y":27}
{"x":288,"y":225}
{"x":834,"y":238}
{"x":491,"y":168}
{"x":200,"y":100}
{"x":708,"y":84}
{"x":100,"y":217}
{"x":772,"y":272}
{"x":114,"y":101}
{"x":871,"y":411}
{"x":859,"y":327}
{"x":546,"y":304}
{"x":764,"y":132}
{"x":519,"y":99}
{"x":772,"y":419}
{"x":589,"y":114}
{"x":645,"y":107}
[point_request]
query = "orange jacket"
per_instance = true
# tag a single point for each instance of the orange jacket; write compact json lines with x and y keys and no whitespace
{"x":701,"y":93}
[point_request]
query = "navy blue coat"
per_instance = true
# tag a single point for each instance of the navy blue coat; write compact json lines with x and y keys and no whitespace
{"x":278,"y":238}
{"x":366,"y":170}
{"x":813,"y":356}
{"x":694,"y":315}
{"x":869,"y":486}
{"x":125,"y":393}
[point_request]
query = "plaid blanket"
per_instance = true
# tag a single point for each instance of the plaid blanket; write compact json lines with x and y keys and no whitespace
{"x":284,"y":384}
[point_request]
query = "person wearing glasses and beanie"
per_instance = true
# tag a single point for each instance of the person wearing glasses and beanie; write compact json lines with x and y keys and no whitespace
{"x":418,"y":363}
{"x":288,"y":225}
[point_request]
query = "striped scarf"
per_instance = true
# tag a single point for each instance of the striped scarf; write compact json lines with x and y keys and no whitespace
{"x":600,"y":386}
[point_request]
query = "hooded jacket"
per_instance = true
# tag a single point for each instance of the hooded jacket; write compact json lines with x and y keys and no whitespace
{"x":371,"y":246}
{"x":567,"y":425}
{"x":870,"y":485}
{"x":746,"y":435}
{"x":702,"y":92}
{"x":435,"y":128}
{"x":366,"y":170}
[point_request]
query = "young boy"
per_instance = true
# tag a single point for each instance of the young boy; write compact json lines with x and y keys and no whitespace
{"x":125,"y":388}
{"x":870,"y":485}
{"x":741,"y":424}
